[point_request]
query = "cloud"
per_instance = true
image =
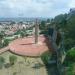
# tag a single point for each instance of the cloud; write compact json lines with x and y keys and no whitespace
{"x":72,"y":4}
{"x":33,"y":8}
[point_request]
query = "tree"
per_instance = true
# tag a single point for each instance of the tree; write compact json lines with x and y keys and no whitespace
{"x":1,"y":37}
{"x":20,"y":23}
{"x":12,"y":23}
{"x":60,"y":21}
{"x":48,"y":20}
{"x":23,"y":33}
{"x":6,"y":42}
{"x":66,"y":23}
{"x":70,"y":31}
{"x":0,"y":23}
{"x":71,"y":55}
{"x":42,"y":25}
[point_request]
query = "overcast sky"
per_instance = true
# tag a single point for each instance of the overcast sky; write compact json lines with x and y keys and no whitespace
{"x":34,"y":8}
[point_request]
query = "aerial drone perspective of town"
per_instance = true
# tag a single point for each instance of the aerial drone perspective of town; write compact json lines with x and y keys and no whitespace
{"x":37,"y":37}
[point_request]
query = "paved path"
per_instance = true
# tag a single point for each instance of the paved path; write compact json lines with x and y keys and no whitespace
{"x":4,"y":49}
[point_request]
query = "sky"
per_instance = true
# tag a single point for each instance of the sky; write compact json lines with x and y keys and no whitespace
{"x":34,"y":8}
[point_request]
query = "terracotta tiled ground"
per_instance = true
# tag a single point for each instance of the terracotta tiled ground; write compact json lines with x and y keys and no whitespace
{"x":26,"y":46}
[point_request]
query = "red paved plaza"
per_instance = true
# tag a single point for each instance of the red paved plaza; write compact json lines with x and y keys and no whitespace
{"x":27,"y":47}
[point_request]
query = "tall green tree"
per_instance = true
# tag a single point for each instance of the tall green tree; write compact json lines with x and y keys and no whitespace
{"x":70,"y":31}
{"x":60,"y":21}
{"x":43,"y":25}
{"x":66,"y":23}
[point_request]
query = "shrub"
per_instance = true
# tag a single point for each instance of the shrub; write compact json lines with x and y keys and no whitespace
{"x":6,"y":42}
{"x":1,"y":45}
{"x":22,"y":33}
{"x":70,"y":71}
{"x":7,"y":65}
{"x":2,"y":61}
{"x":46,"y":57}
{"x":14,"y":73}
{"x":71,"y":55}
{"x":12,"y":59}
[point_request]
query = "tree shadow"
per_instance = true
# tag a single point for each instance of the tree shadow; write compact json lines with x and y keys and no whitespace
{"x":28,"y":44}
{"x":51,"y":67}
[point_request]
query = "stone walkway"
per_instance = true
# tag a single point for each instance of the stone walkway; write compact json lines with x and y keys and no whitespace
{"x":2,"y":50}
